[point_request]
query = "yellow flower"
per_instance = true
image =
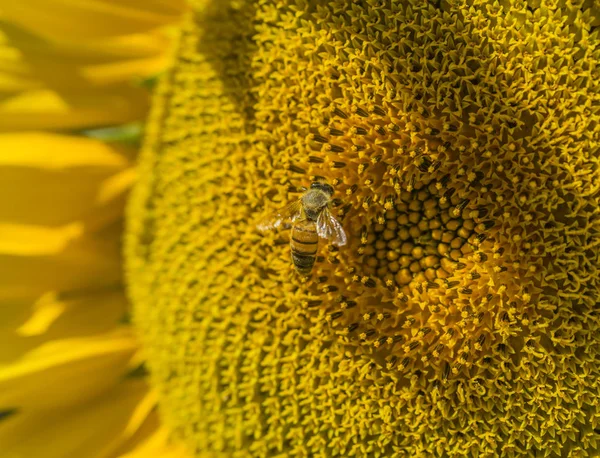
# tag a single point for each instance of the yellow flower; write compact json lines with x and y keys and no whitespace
{"x":72,"y":381}
{"x":461,"y":319}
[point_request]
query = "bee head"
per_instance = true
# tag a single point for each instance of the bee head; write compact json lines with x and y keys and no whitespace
{"x":326,"y":188}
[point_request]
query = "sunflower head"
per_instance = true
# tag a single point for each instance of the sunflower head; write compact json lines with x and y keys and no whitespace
{"x":462,"y":146}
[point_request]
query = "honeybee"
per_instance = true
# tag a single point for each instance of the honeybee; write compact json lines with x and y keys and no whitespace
{"x":310,"y":218}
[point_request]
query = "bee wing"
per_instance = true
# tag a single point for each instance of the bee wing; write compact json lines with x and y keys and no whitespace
{"x":283,"y":216}
{"x":329,"y":228}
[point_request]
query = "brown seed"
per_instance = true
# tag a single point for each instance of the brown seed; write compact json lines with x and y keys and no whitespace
{"x":371,"y":237}
{"x":415,"y":267}
{"x":369,"y":270}
{"x":422,"y":195}
{"x":469,"y":224}
{"x":417,"y":252}
{"x":431,"y":249}
{"x":401,"y":207}
{"x":442,"y":249}
{"x":394,"y":267}
{"x":403,"y":234}
{"x":394,"y":244}
{"x":389,"y":234}
{"x":429,"y":204}
{"x":455,"y":255}
{"x":372,"y":261}
{"x":380,"y":244}
{"x":402,"y":219}
{"x":431,"y":274}
{"x":435,"y":223}
{"x":431,"y":213}
{"x":436,"y":234}
{"x":423,"y":225}
{"x":406,"y":248}
{"x":382,"y":271}
{"x":391,"y":224}
{"x":463,"y":232}
{"x":414,"y":232}
{"x":445,"y":217}
{"x":380,"y":254}
{"x":403,"y":277}
{"x":378,"y":227}
{"x":392,"y":255}
{"x":456,"y":243}
{"x":405,"y":196}
{"x":414,"y":217}
{"x":447,"y":237}
{"x":453,"y":225}
{"x":414,"y":206}
{"x":430,"y":260}
{"x":405,"y":261}
{"x":391,"y":214}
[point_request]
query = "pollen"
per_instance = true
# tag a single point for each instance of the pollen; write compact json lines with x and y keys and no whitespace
{"x":461,"y":318}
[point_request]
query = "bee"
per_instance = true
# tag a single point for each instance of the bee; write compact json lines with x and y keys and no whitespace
{"x":310,"y":218}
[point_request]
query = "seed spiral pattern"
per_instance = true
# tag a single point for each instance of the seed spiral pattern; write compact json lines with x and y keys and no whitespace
{"x":462,"y":139}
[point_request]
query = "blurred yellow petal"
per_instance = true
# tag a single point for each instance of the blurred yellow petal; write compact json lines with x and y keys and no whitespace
{"x":65,"y":372}
{"x":24,"y":240}
{"x":82,"y":19}
{"x":51,"y":179}
{"x":85,"y":263}
{"x":15,"y":75}
{"x":91,"y":429}
{"x":25,"y":325}
{"x":62,"y":315}
{"x":67,"y":362}
{"x":155,"y":445}
{"x":47,"y":109}
{"x":75,"y":65}
{"x":33,"y":148}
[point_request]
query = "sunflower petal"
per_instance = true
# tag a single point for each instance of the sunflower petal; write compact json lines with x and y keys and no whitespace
{"x":65,"y":367}
{"x":26,"y":240}
{"x":24,"y":326}
{"x":157,"y":445}
{"x":39,"y":171}
{"x":91,"y":430}
{"x":83,"y":19}
{"x":87,"y":263}
{"x":47,"y":109}
{"x":57,"y":316}
{"x":75,"y":65}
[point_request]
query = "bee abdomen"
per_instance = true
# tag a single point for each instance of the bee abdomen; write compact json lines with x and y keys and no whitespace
{"x":303,"y":244}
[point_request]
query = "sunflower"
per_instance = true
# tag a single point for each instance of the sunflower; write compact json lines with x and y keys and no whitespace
{"x":73,"y":90}
{"x":462,"y":317}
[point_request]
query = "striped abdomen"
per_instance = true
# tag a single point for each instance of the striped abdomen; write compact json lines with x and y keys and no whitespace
{"x":303,"y":244}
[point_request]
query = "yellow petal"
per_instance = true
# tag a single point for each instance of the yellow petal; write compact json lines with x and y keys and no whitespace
{"x":89,"y":430}
{"x":57,"y":316}
{"x":24,"y":326}
{"x":27,"y":240}
{"x":15,"y":75}
{"x":40,"y":171}
{"x":75,"y":65}
{"x":46,"y":109}
{"x":65,"y":372}
{"x":157,"y":445}
{"x":87,"y":263}
{"x":83,"y":19}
